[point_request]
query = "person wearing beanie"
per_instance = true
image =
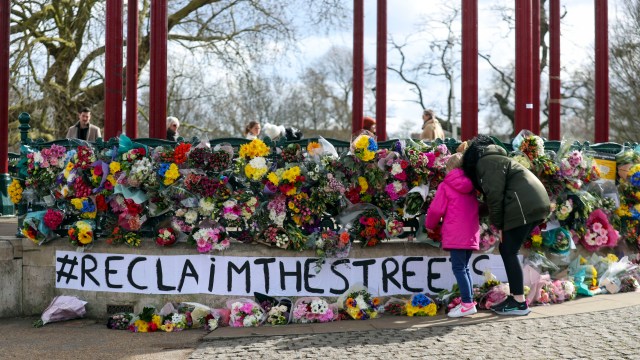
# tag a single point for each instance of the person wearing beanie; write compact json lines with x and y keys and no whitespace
{"x":369,"y":124}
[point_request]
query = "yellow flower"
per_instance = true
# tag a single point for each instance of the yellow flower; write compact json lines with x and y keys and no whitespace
{"x":368,"y":155}
{"x":15,"y":191}
{"x":611,"y":258}
{"x":67,"y":169}
{"x":362,"y":142}
{"x":171,"y":175}
{"x":536,"y":240}
{"x":273,"y":177}
{"x":254,"y":149}
{"x":77,"y":202}
{"x":142,"y":326}
{"x":114,"y":167}
{"x":253,"y":173}
{"x":156,"y":319}
{"x":111,"y":179}
{"x":623,"y":211}
{"x":364,"y":186}
{"x":291,"y":174}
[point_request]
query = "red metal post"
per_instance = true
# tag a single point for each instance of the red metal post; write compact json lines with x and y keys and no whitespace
{"x":469,"y":121}
{"x":5,"y":30}
{"x":113,"y":71}
{"x":554,"y":70}
{"x":132,"y":69}
{"x":158,"y":69}
{"x":602,"y":72}
{"x":523,"y":88}
{"x":381,"y":72}
{"x":358,"y":66}
{"x":535,"y":66}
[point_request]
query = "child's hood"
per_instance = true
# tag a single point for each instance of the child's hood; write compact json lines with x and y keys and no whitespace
{"x":459,"y":181}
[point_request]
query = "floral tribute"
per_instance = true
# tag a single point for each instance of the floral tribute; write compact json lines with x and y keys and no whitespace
{"x":245,"y":313}
{"x":166,"y":236}
{"x":369,"y":229}
{"x":421,"y":305}
{"x":81,"y":233}
{"x":599,"y":232}
{"x":312,"y":309}
{"x":360,"y":305}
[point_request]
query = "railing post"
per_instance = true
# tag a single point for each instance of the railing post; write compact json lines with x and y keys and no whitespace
{"x":24,"y":119}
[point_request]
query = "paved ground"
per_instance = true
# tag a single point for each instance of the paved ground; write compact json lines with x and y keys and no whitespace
{"x":602,"y":327}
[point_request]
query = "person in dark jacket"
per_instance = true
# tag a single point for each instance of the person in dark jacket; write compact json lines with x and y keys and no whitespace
{"x":517,"y":203}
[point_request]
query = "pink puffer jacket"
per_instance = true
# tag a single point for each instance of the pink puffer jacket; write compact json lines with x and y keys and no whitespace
{"x":456,"y":203}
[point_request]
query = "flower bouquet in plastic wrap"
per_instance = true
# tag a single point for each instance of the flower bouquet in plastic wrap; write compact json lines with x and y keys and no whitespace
{"x":278,"y":310}
{"x":358,"y":303}
{"x":146,"y":321}
{"x":120,"y":321}
{"x":395,"y":306}
{"x":421,"y":305}
{"x":329,"y":244}
{"x":489,"y":236}
{"x":491,"y":292}
{"x":62,"y":308}
{"x":599,"y":232}
{"x":216,"y":318}
{"x":81,"y":233}
{"x":313,"y":309}
{"x":245,"y":313}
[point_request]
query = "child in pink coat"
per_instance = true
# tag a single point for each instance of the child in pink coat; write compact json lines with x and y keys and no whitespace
{"x":457,"y":204}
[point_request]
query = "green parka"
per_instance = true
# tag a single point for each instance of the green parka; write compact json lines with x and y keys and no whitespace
{"x":514,"y":195}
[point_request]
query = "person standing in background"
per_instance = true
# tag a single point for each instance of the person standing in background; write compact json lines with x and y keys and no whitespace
{"x":252,"y":130}
{"x":83,"y":129}
{"x":369,"y":124}
{"x":172,"y":128}
{"x":431,"y":128}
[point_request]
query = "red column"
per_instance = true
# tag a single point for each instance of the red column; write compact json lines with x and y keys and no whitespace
{"x":602,"y":72}
{"x":554,"y":70}
{"x":469,"y":69}
{"x":5,"y":29}
{"x":535,"y":66}
{"x":113,"y":71}
{"x":381,"y":72}
{"x":158,"y":76}
{"x":523,"y":88}
{"x":132,"y":69}
{"x":358,"y":66}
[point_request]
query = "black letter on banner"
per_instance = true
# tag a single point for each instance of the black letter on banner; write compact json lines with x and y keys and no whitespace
{"x":344,"y":279}
{"x":389,"y":275}
{"x":192,"y":273}
{"x":130,"y":272}
{"x":161,"y":286}
{"x":107,"y":271}
{"x":433,"y":276}
{"x":87,"y":272}
{"x":406,"y":274}
{"x":308,"y":276}
{"x":297,"y":274}
{"x":265,"y":265}
{"x":476,"y":261}
{"x":365,"y":269}
{"x":247,"y":277}
{"x":212,"y":273}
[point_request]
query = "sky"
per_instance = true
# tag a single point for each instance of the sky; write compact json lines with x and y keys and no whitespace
{"x":404,"y":20}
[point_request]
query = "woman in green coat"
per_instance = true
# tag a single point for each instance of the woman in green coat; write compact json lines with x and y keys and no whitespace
{"x":517,"y":203}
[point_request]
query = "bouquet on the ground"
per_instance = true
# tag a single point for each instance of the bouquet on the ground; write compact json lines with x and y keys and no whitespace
{"x":395,"y":306}
{"x":210,"y":238}
{"x":166,"y":236}
{"x":245,"y":313}
{"x":216,"y":318}
{"x":421,"y":305}
{"x":81,"y":233}
{"x":313,"y":309}
{"x":364,"y":147}
{"x":119,"y":321}
{"x":557,"y":240}
{"x":360,"y":305}
{"x":279,"y":314}
{"x":174,"y":322}
{"x":146,"y":321}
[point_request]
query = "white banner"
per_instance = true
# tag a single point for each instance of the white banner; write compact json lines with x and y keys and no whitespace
{"x":275,"y":276}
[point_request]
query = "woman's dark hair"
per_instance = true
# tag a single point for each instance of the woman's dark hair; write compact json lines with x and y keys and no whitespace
{"x":250,"y":126}
{"x":472,"y":155}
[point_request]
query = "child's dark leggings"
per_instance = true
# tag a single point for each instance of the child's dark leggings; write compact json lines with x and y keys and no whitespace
{"x":512,"y":240}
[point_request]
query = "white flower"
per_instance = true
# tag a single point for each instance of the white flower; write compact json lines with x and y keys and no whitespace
{"x":191,"y":216}
{"x":258,"y":162}
{"x":206,"y":206}
{"x":396,"y":169}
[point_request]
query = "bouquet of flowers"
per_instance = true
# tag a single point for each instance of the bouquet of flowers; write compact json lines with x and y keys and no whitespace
{"x":53,"y":218}
{"x":557,"y":240}
{"x":369,"y":229}
{"x":210,"y":238}
{"x":166,"y":236}
{"x":329,"y":244}
{"x":532,"y":146}
{"x":599,"y":233}
{"x":119,"y":321}
{"x":360,"y":305}
{"x":146,"y":321}
{"x":312,"y":309}
{"x":564,"y":209}
{"x":81,"y":233}
{"x":132,"y":239}
{"x":33,"y":227}
{"x":174,"y":322}
{"x":395,"y":306}
{"x":216,"y":318}
{"x":245,"y":313}
{"x":489,"y":236}
{"x":414,"y":202}
{"x":292,"y":153}
{"x":395,"y":226}
{"x":421,"y":305}
{"x":279,"y":314}
{"x":252,"y":159}
{"x":15,"y":191}
{"x":168,"y":173}
{"x":364,"y":147}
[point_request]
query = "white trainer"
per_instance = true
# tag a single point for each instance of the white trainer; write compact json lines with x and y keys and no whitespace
{"x":463,"y":310}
